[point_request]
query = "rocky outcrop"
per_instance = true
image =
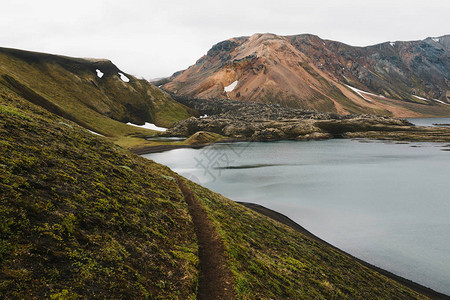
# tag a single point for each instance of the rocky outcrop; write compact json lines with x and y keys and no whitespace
{"x":202,"y":138}
{"x":264,"y":122}
{"x":301,"y":129}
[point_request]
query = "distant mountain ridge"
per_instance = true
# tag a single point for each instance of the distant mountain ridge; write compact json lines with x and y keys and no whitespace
{"x":304,"y":71}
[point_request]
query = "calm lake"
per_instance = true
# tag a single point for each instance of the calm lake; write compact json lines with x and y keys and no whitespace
{"x":386,"y":203}
{"x":430,"y":121}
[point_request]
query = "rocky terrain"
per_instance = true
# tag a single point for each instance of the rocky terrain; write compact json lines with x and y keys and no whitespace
{"x":401,"y":79}
{"x":268,"y":122}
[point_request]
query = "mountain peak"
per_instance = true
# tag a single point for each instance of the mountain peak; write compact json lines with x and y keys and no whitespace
{"x":304,"y":71}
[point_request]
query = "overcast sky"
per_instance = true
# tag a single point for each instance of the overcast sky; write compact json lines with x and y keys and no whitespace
{"x":156,"y":38}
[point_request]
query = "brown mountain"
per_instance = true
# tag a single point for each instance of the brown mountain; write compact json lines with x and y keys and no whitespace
{"x":304,"y":71}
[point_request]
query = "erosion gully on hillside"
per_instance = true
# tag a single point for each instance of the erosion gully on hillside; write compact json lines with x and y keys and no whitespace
{"x":215,"y":278}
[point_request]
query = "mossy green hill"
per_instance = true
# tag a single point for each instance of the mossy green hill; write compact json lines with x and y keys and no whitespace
{"x":89,"y":92}
{"x":83,"y":218}
{"x":80,"y":216}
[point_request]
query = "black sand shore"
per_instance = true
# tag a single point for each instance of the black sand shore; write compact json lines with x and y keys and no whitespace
{"x":287,"y":221}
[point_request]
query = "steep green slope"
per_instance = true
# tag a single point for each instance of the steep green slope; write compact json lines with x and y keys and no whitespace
{"x":71,"y":87}
{"x":81,"y":217}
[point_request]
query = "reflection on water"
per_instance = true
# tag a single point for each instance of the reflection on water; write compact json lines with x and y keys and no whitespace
{"x":386,"y":203}
{"x":166,"y":138}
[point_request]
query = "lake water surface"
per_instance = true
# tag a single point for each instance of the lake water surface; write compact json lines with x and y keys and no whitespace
{"x":430,"y":121}
{"x":386,"y":203}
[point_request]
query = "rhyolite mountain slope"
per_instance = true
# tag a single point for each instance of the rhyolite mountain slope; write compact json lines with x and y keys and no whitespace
{"x":403,"y":79}
{"x":93,"y":93}
{"x":81,"y":218}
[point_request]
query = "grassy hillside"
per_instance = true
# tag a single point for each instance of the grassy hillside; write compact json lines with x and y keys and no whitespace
{"x":83,"y":218}
{"x":71,"y":87}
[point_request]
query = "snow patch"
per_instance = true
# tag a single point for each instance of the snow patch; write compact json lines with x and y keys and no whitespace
{"x":392,"y":44}
{"x":436,"y":40}
{"x":148,"y":126}
{"x":360,"y":92}
{"x":93,"y":132}
{"x":99,"y":73}
{"x":440,"y":101}
{"x":231,"y":87}
{"x":124,"y":78}
{"x":204,"y":116}
{"x":421,"y":98}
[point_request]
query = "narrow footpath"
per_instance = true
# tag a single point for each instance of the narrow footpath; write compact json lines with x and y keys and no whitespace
{"x":215,"y":278}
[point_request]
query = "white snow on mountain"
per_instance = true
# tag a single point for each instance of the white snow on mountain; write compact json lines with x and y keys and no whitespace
{"x":124,"y":78}
{"x":93,"y":132}
{"x":361,"y":93}
{"x":148,"y":126}
{"x":99,"y":73}
{"x":421,"y":98}
{"x":230,"y":87}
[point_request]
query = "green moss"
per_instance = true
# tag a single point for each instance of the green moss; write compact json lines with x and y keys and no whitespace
{"x":203,"y":138}
{"x":6,"y":110}
{"x":64,"y":295}
{"x":82,"y":218}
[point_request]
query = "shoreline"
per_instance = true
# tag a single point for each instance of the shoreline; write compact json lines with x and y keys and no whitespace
{"x":289,"y":222}
{"x":163,"y":148}
{"x":160,"y":148}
